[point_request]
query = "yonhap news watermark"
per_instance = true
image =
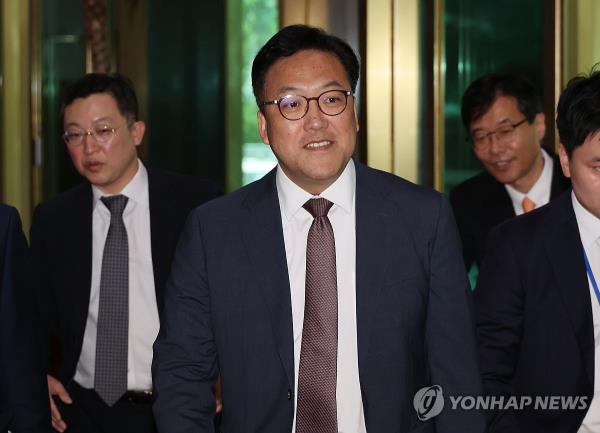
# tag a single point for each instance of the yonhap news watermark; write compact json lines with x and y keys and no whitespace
{"x":430,"y":402}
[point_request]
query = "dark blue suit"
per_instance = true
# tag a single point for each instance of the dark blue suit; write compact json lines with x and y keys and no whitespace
{"x":24,"y":403}
{"x":228,"y":312}
{"x":534,"y":318}
{"x":481,"y":202}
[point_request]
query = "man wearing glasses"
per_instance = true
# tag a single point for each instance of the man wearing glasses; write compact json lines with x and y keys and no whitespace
{"x":101,"y":255}
{"x":324,"y":295}
{"x":504,"y":121}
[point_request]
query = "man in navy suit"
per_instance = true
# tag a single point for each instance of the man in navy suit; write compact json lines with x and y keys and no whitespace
{"x":324,"y":295}
{"x":537,"y":300}
{"x":68,"y":237}
{"x":23,"y":392}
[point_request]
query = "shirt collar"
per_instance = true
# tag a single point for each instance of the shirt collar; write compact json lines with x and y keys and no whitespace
{"x":540,"y":191}
{"x":136,"y":190}
{"x":588,"y":223}
{"x":340,"y":192}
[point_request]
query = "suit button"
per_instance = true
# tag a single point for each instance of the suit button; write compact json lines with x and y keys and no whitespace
{"x":289,"y":394}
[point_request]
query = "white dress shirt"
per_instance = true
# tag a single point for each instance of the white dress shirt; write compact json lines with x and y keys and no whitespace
{"x":539,"y":192}
{"x":143,"y":310}
{"x":589,"y":231}
{"x":296,"y":222}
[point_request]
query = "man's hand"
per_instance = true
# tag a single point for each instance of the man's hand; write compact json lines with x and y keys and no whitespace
{"x":218,"y":399}
{"x":55,"y":388}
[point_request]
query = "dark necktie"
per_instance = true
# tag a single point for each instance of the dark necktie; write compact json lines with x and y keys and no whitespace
{"x":110,"y":380}
{"x":317,"y":377}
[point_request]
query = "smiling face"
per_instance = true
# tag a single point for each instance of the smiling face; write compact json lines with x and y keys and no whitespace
{"x":312,"y":151}
{"x":111,"y":165}
{"x":518,"y":163}
{"x":583,"y":167}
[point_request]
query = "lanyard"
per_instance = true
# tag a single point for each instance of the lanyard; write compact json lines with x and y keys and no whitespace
{"x":591,"y":275}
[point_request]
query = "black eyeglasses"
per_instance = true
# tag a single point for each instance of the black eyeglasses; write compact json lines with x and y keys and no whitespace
{"x":505,"y":134}
{"x":295,"y":107}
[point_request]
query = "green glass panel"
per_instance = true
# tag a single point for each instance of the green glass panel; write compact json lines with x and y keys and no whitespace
{"x":63,"y":60}
{"x":186,"y":87}
{"x":259,"y":23}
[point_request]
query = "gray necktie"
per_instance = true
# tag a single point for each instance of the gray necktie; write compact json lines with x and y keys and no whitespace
{"x":110,"y":381}
{"x":317,"y":377}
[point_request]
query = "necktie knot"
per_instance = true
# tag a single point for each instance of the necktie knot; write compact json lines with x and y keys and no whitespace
{"x":115,"y":204}
{"x":318,"y":207}
{"x":528,"y":204}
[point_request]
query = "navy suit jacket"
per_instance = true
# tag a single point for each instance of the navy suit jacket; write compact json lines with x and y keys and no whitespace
{"x":23,"y":389}
{"x":534,"y":317}
{"x":481,"y":202}
{"x":228,"y":312}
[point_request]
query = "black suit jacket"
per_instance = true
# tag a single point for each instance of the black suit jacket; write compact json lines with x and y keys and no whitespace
{"x":228,"y":310}
{"x":481,"y":202}
{"x":23,"y":390}
{"x":61,"y":244}
{"x":534,"y":317}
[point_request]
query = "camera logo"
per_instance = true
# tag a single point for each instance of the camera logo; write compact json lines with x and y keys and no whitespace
{"x":429,"y":402}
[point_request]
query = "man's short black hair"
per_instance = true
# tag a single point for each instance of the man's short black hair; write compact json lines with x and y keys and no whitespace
{"x":292,"y":39}
{"x":483,"y":92}
{"x":578,"y":111}
{"x":116,"y":85}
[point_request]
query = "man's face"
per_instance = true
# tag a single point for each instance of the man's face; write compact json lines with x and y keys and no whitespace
{"x":519,"y":161}
{"x":583,"y":167}
{"x":111,"y":165}
{"x":312,"y":151}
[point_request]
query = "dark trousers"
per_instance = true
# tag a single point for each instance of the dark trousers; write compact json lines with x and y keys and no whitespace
{"x":89,"y":414}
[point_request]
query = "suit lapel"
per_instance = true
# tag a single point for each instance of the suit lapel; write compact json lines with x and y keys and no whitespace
{"x":263,"y":240}
{"x":372,"y":247}
{"x":564,"y":249}
{"x":499,"y":205}
{"x":80,"y":270}
{"x":161,"y":231}
{"x":559,"y":182}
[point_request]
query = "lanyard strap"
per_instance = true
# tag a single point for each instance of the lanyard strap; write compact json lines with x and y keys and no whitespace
{"x":591,"y":275}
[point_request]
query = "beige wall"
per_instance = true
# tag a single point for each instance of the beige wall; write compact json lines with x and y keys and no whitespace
{"x":581,"y":37}
{"x":16,"y":170}
{"x":312,"y":12}
{"x":393,"y":82}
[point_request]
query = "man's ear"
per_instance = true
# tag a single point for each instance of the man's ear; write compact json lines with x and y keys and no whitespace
{"x":262,"y":127}
{"x":539,"y":123}
{"x":564,"y":160}
{"x":138,"y":129}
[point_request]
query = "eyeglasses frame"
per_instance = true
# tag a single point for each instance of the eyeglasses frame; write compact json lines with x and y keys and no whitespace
{"x":495,"y":131}
{"x":92,"y":133}
{"x":314,"y":98}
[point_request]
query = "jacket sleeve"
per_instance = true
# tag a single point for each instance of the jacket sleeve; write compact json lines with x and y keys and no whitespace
{"x":499,"y":302}
{"x":185,"y":365}
{"x":42,"y":288}
{"x":461,"y":213}
{"x":450,"y":335}
{"x":27,"y":392}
